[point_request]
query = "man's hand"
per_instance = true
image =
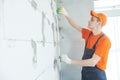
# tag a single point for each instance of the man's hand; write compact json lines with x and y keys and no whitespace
{"x":62,"y":10}
{"x":65,"y":59}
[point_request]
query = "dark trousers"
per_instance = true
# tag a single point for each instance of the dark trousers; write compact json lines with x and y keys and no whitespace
{"x":93,"y":73}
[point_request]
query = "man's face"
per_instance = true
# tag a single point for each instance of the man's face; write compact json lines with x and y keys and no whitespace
{"x":93,"y":22}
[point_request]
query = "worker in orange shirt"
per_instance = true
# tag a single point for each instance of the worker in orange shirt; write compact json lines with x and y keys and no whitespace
{"x":97,"y":46}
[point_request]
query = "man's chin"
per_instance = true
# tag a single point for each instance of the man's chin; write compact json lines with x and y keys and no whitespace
{"x":89,"y":27}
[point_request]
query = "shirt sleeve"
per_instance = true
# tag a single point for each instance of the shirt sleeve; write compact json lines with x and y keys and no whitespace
{"x":85,"y":33}
{"x":102,"y":47}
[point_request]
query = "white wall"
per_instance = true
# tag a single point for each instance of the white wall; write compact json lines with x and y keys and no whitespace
{"x":71,"y":41}
{"x":29,"y":40}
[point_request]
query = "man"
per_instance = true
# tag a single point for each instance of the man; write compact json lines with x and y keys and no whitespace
{"x":97,"y":46}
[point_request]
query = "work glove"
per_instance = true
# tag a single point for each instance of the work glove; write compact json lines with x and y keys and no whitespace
{"x":65,"y":59}
{"x":62,"y":10}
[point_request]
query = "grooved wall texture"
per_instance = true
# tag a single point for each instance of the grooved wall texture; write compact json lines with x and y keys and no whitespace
{"x":29,"y":40}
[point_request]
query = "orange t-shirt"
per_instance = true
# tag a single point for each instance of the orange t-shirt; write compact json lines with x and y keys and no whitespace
{"x":102,"y":47}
